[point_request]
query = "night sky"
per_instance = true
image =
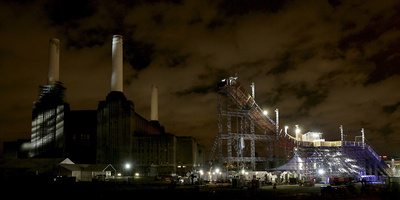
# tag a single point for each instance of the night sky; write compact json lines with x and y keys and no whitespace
{"x":321,"y":63}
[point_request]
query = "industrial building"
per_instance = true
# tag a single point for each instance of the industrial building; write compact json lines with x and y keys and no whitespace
{"x":249,"y":140}
{"x":167,"y":153}
{"x":113,"y":134}
{"x":49,"y":112}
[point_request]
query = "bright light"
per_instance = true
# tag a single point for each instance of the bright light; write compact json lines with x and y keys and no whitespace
{"x":136,"y":174}
{"x":321,"y":171}
{"x":119,"y":174}
{"x":217,"y":170}
{"x":127,"y":166}
{"x":265,"y":112}
{"x":297,"y":129}
{"x":201,"y":172}
{"x":243,"y":171}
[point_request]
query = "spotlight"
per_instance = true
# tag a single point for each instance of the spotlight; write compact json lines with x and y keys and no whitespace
{"x":127,"y":166}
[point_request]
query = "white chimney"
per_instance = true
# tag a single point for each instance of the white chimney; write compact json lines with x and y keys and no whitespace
{"x":154,"y":103}
{"x":117,"y":69}
{"x":54,"y":61}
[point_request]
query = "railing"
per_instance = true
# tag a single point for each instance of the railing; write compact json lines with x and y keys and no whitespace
{"x":366,"y":146}
{"x":246,"y":101}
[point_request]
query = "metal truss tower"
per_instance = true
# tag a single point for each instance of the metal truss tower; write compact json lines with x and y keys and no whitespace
{"x":245,"y":134}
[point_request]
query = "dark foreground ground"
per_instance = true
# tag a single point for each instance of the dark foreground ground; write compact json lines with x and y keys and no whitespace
{"x":122,"y":191}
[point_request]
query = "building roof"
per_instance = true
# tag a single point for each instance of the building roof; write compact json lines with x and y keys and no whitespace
{"x":29,"y":162}
{"x":100,"y":167}
{"x":74,"y":167}
{"x":32,"y":164}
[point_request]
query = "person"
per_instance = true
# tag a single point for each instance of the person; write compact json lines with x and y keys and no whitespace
{"x":351,"y":188}
{"x":364,"y":186}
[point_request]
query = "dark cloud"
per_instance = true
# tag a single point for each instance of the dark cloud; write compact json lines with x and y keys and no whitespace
{"x":312,"y":97}
{"x":376,"y":44}
{"x":80,"y":39}
{"x":386,"y":63}
{"x":209,"y":83}
{"x":335,"y":3}
{"x":173,"y":58}
{"x":138,"y":54}
{"x":389,"y":109}
{"x":285,"y":63}
{"x":67,"y":12}
{"x":198,"y":89}
{"x":215,"y":24}
{"x":307,"y":95}
{"x":238,"y":7}
{"x":386,"y":130}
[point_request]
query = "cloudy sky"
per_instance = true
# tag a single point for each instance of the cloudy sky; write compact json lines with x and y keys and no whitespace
{"x":322,"y":63}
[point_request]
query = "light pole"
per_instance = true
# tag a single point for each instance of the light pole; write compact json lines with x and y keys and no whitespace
{"x":127,"y":168}
{"x":321,"y":173}
{"x":217,"y":172}
{"x":297,"y":135}
{"x":201,"y":177}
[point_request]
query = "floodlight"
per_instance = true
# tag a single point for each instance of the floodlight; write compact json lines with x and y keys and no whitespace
{"x":127,"y":166}
{"x":297,"y":129}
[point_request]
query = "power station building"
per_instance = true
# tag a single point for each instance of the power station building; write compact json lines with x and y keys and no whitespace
{"x":49,"y":112}
{"x":113,"y":134}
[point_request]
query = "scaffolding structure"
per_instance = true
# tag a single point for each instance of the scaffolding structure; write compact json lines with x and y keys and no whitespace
{"x":336,"y":159}
{"x":247,"y":136}
{"x":244,"y":131}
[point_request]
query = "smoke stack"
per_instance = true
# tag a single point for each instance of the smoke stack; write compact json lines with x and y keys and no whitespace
{"x":54,"y":61}
{"x":154,"y":103}
{"x":117,"y":69}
